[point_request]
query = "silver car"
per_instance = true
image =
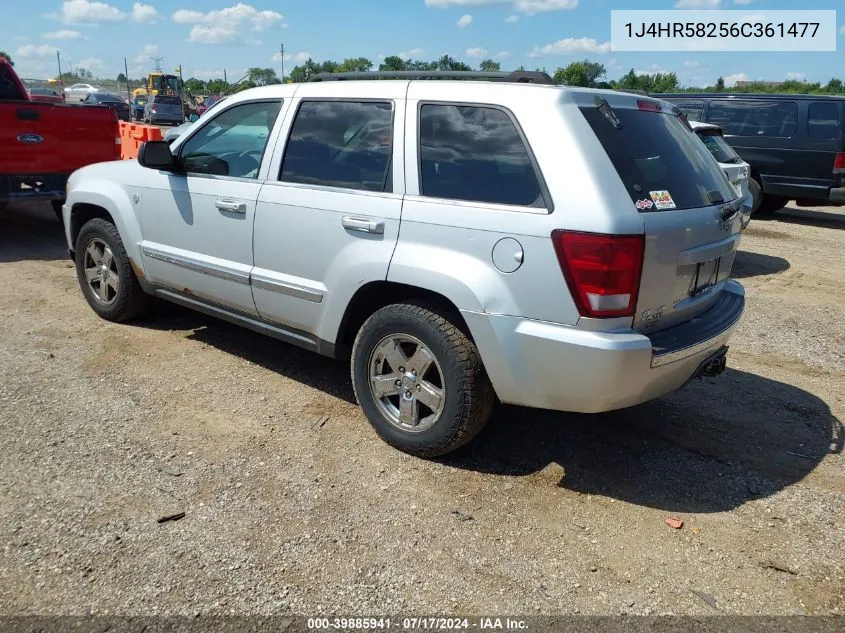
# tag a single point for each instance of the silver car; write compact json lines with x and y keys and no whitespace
{"x":459,"y":243}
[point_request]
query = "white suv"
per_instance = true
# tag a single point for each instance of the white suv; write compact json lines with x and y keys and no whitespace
{"x":462,"y":242}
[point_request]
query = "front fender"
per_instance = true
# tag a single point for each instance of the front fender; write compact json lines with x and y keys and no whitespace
{"x":116,"y":202}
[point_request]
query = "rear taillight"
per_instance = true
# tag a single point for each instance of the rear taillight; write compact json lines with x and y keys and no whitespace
{"x":648,"y":106}
{"x":602,"y":271}
{"x":839,"y":163}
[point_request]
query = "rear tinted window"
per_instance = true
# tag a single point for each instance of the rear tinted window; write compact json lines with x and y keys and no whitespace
{"x":659,"y":160}
{"x":692,"y":109}
{"x":755,"y":118}
{"x":166,"y":100}
{"x":477,"y":154}
{"x":717,"y":146}
{"x":823,"y":120}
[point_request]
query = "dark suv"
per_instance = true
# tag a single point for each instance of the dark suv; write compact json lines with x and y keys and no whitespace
{"x":795,"y":144}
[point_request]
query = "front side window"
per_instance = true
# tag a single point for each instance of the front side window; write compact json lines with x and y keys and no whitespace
{"x":232,"y":143}
{"x":475,"y":153}
{"x":755,"y":118}
{"x":345,"y":144}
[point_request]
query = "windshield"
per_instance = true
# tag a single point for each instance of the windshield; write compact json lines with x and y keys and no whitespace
{"x":722,"y":152}
{"x":658,"y":159}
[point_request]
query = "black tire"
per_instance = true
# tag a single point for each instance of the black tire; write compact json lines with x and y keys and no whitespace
{"x":771,"y":204}
{"x":469,"y":397}
{"x":57,"y":209}
{"x":756,"y":191}
{"x":130,"y":301}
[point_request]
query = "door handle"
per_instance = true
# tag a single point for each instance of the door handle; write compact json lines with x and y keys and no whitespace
{"x":363,"y":225}
{"x":232,"y":206}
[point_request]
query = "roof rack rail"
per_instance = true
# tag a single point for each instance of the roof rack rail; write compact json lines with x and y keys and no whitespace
{"x":517,"y":76}
{"x":632,"y":91}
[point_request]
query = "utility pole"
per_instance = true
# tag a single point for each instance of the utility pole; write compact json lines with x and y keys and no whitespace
{"x":225,"y":81}
{"x":128,"y":89}
{"x":61,"y":81}
{"x":282,"y":53}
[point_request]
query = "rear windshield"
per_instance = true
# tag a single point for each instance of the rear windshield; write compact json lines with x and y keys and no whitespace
{"x":168,"y":100}
{"x":662,"y":164}
{"x":718,"y":146}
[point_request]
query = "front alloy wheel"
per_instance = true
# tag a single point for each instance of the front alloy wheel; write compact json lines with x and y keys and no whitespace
{"x":101,"y":271}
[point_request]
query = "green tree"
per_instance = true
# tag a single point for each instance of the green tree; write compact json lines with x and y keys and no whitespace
{"x":834,"y":85}
{"x":584,"y":73}
{"x":447,"y":62}
{"x":121,"y":78}
{"x":420,"y":65}
{"x":355,"y":64}
{"x":489,"y":66}
{"x":720,"y":84}
{"x":260,"y":77}
{"x":392,"y":62}
{"x":7,"y":56}
{"x":216,"y":86}
{"x":194,"y":85}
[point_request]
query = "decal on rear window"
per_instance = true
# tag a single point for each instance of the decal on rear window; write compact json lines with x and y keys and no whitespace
{"x":662,"y":199}
{"x":644,"y":204}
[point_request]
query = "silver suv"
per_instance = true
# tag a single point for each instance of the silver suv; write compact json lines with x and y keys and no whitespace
{"x":462,"y":242}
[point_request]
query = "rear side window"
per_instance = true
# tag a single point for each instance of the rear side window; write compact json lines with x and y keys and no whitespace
{"x":341,"y":144}
{"x":755,"y":118}
{"x":692,"y":109}
{"x":475,"y":153}
{"x":823,"y":120}
{"x":662,"y":164}
{"x":722,"y":152}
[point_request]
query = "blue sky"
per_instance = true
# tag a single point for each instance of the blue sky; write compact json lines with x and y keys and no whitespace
{"x":207,"y":36}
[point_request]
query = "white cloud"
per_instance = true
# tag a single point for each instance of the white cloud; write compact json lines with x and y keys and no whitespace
{"x":691,"y":64}
{"x":227,"y":26}
{"x":796,"y":76}
{"x":33,"y":50}
{"x":654,"y":70}
{"x":20,"y":38}
{"x":571,"y":45}
{"x":63,"y":34}
{"x":464,"y":21}
{"x":502,"y":55}
{"x":698,"y":4}
{"x":144,"y":56}
{"x":476,"y":52}
{"x":144,"y":12}
{"x":299,"y":58}
{"x":730,"y":80}
{"x":529,"y":7}
{"x":414,"y":52}
{"x":85,"y":12}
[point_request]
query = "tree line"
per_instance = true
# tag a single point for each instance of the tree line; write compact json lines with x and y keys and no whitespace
{"x":584,"y":73}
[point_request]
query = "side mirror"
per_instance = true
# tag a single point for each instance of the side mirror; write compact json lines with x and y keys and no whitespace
{"x":156,"y":155}
{"x":194,"y":117}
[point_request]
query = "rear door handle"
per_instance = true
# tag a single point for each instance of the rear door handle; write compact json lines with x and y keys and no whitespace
{"x":364,"y":225}
{"x":232,"y":206}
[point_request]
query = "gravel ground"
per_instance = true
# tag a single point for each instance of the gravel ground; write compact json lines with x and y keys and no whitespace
{"x":107,"y":428}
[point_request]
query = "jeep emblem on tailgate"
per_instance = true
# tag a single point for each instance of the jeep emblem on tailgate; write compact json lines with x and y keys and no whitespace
{"x":30,"y":139}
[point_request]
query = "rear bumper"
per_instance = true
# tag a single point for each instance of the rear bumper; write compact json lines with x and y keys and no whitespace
{"x":33,"y":186}
{"x":552,"y":366}
{"x":837,"y":196}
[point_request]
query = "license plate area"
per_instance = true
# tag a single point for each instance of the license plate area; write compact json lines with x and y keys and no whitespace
{"x":706,"y":276}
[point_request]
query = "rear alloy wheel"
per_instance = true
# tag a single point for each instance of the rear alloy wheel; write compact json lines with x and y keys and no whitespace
{"x":105,"y":275}
{"x":419,"y":380}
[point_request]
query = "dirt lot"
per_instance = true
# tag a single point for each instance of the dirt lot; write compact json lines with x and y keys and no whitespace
{"x":106,"y":428}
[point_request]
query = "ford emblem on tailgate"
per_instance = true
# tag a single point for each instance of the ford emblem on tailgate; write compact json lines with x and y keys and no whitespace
{"x":30,"y":139}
